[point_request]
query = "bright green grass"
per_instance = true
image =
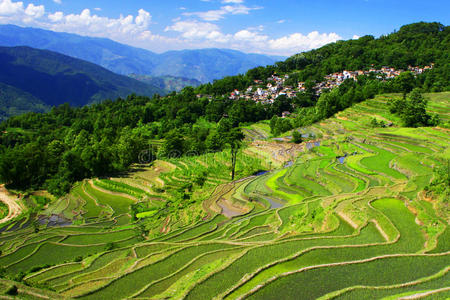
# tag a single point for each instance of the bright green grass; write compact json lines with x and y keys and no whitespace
{"x":120,"y":205}
{"x":380,"y":162}
{"x":146,"y":214}
{"x":98,"y":263}
{"x":315,"y":283}
{"x":255,"y":221}
{"x":412,"y":163}
{"x":364,"y":293}
{"x":76,"y":229}
{"x":255,"y":231}
{"x":415,"y":185}
{"x":443,"y":242}
{"x":369,"y":234}
{"x":198,"y":230}
{"x":90,"y":208}
{"x":120,"y":187}
{"x":261,"y":256}
{"x":287,"y":214}
{"x":145,"y":250}
{"x":353,"y":162}
{"x":110,"y":270}
{"x":274,"y":186}
{"x":55,"y":272}
{"x":21,"y":253}
{"x":160,"y":287}
{"x":361,"y":177}
{"x":413,"y":147}
{"x":342,"y":181}
{"x":132,"y":282}
{"x":100,"y":238}
{"x":59,"y":254}
{"x":411,"y":241}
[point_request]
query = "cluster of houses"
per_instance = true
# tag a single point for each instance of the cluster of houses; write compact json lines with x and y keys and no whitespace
{"x":336,"y":79}
{"x":275,"y":87}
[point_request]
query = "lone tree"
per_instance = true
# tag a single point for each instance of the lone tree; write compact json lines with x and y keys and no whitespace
{"x":234,"y":139}
{"x":232,"y":136}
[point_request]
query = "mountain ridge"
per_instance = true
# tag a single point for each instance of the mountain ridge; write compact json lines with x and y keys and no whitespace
{"x":211,"y":63}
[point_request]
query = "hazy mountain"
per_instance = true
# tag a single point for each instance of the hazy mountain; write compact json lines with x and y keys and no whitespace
{"x":167,"y":82}
{"x":44,"y":78}
{"x":204,"y":65}
{"x":208,"y":64}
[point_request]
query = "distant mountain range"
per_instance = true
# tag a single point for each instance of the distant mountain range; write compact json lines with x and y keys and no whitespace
{"x":203,"y":65}
{"x":34,"y":80}
{"x":167,"y":83}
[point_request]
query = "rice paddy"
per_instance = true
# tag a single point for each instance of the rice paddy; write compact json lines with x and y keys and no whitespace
{"x":342,"y":217}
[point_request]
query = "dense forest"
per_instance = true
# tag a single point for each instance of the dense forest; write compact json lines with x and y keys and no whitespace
{"x":55,"y":149}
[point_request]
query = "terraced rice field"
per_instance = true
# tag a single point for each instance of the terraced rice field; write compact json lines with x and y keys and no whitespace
{"x":346,"y":218}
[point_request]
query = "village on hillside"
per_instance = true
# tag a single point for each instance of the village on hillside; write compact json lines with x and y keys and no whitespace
{"x":276,"y":86}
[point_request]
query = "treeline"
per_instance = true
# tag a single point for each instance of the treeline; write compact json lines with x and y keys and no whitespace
{"x":417,"y":44}
{"x":55,"y":149}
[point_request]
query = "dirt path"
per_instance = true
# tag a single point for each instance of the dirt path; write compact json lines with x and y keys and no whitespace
{"x":11,"y":201}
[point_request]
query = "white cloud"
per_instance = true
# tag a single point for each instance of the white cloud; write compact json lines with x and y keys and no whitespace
{"x":56,"y":17}
{"x":204,"y":34}
{"x":355,"y":37}
{"x":297,"y":42}
{"x":281,"y":21}
{"x":97,"y":9}
{"x":8,"y":8}
{"x":199,"y":30}
{"x":143,"y":19}
{"x":57,"y":1}
{"x":35,"y":11}
{"x":232,"y":1}
{"x":215,"y":15}
{"x":250,"y":36}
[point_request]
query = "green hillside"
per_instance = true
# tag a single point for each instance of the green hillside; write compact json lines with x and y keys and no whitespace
{"x":360,"y":204}
{"x":14,"y":102}
{"x":43,"y":78}
{"x":417,"y":44}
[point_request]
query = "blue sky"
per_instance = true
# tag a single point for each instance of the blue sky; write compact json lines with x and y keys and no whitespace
{"x":281,"y":27}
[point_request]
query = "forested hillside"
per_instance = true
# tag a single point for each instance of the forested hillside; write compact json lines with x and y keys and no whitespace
{"x":417,"y":44}
{"x":53,"y":79}
{"x":14,"y":102}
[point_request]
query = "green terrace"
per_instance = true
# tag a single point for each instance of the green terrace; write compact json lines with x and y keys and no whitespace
{"x":345,"y":218}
